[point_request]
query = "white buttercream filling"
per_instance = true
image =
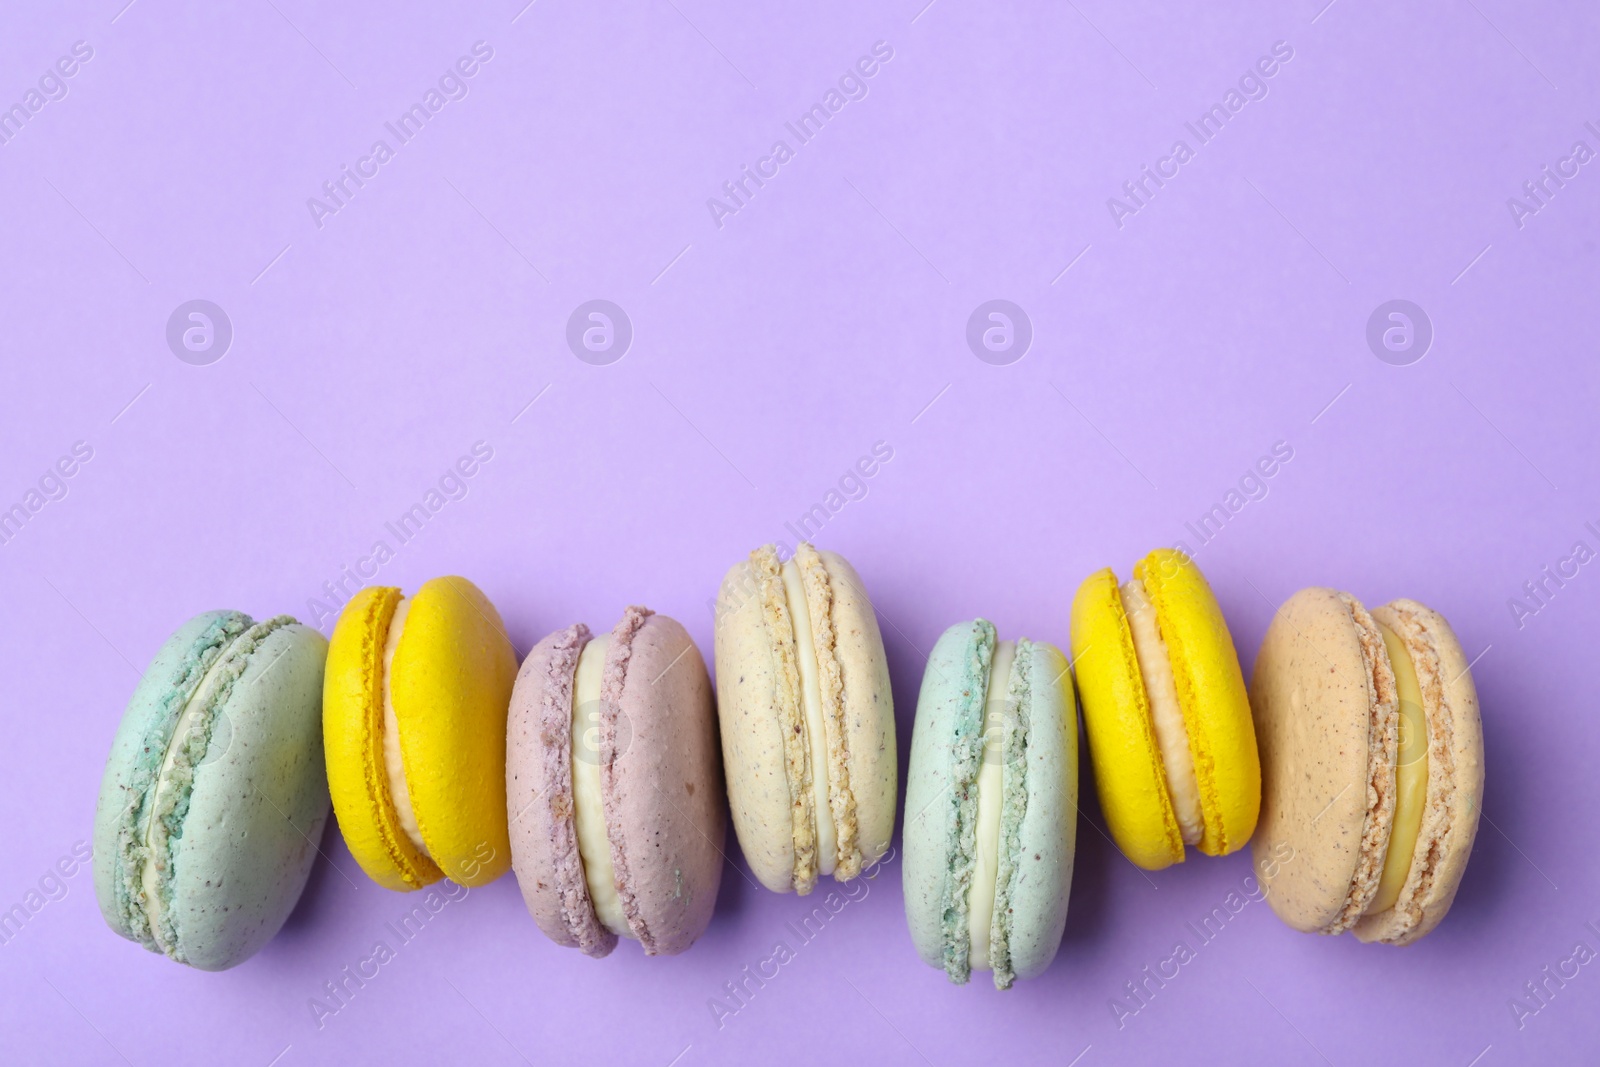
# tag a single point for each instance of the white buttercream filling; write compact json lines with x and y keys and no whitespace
{"x":811,"y":700}
{"x":393,"y":763}
{"x":1166,"y":714}
{"x":991,"y":798}
{"x":588,"y":804}
{"x":188,"y":721}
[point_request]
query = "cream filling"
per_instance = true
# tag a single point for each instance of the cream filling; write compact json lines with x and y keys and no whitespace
{"x":188,"y":720}
{"x":1411,"y":776}
{"x":991,"y":798}
{"x":588,"y":803}
{"x":393,"y":764}
{"x":1166,"y":714}
{"x":794,"y":592}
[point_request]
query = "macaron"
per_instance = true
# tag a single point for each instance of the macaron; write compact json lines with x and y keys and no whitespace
{"x":614,"y":786}
{"x":991,"y":805}
{"x":414,"y":717}
{"x":214,"y":796}
{"x":1165,"y":711}
{"x":1372,"y":766}
{"x":807,"y":718}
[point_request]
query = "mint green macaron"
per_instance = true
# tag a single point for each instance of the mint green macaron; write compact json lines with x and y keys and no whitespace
{"x":991,"y":805}
{"x":215,"y":793}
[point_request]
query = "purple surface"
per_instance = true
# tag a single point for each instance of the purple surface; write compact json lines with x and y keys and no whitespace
{"x":1226,"y":314}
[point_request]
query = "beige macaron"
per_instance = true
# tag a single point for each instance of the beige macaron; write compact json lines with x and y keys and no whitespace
{"x":807,"y":718}
{"x":1371,"y":766}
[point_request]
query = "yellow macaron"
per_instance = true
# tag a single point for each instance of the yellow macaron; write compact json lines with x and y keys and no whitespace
{"x":414,"y":724}
{"x":1166,"y":712}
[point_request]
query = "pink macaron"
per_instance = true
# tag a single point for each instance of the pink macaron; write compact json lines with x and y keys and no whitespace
{"x":614,"y":786}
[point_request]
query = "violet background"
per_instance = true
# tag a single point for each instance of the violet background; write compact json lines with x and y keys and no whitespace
{"x":769,"y":354}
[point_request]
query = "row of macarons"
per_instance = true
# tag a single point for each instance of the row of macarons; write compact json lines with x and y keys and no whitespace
{"x":602,"y":769}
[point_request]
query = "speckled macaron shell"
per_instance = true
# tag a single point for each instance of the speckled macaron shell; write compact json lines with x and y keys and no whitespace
{"x":752,"y":730}
{"x":957,"y":669}
{"x":661,"y":783}
{"x":661,"y":775}
{"x":1048,"y":837}
{"x":868,"y":708}
{"x":955,"y":677}
{"x":258,"y":798}
{"x":539,"y":796}
{"x":1323,"y":697}
{"x":136,"y":754}
{"x":1455,"y":776}
{"x":752,"y":734}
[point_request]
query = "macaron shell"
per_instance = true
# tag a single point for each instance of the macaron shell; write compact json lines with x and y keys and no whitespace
{"x":1211,"y":691}
{"x":868,"y":708}
{"x":1128,"y":771}
{"x":1455,"y":772}
{"x":956,"y":670}
{"x":353,"y":736}
{"x":752,"y":737}
{"x":136,"y":755}
{"x":664,"y":798}
{"x":450,"y":684}
{"x":544,"y":845}
{"x":1048,"y":835}
{"x":1313,"y":695}
{"x":258,"y":806}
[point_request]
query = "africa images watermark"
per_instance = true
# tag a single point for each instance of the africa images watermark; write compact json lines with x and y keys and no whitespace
{"x":599,"y":332}
{"x":999,"y":332}
{"x":342,"y":989}
{"x":51,"y":86}
{"x":852,"y":485}
{"x":1253,"y":485}
{"x":1539,"y":991}
{"x":199,"y":332}
{"x":452,"y":485}
{"x":852,"y":85}
{"x":1141,"y":990}
{"x":1538,"y":192}
{"x":1540,"y":590}
{"x":50,"y":887}
{"x":1252,"y":85}
{"x":739,"y":991}
{"x":51,"y":486}
{"x":454,"y":84}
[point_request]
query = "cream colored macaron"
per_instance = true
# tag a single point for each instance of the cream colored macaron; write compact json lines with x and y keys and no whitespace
{"x":807,"y":718}
{"x":1372,"y":766}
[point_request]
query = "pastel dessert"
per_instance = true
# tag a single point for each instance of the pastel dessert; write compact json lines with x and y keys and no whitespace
{"x":1372,"y":766}
{"x":414,"y":717}
{"x":1165,"y":711}
{"x":991,"y":805}
{"x":807,"y":718}
{"x":214,"y":796}
{"x":614,"y":786}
